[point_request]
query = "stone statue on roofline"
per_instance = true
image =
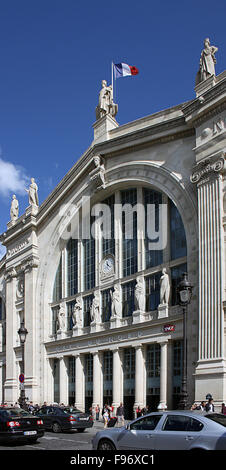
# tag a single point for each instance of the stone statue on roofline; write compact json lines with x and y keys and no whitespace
{"x":207,"y":62}
{"x":14,"y":210}
{"x":33,"y":193}
{"x":106,"y":104}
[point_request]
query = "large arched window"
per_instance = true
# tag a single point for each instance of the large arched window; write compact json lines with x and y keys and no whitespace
{"x":78,"y":273}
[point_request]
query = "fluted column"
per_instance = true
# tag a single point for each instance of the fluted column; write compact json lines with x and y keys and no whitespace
{"x":163,"y":376}
{"x":139,"y":377}
{"x":117,"y":378}
{"x":97,"y":380}
{"x":63,"y":374}
{"x":79,"y":382}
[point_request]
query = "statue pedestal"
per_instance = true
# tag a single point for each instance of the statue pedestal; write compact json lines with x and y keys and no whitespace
{"x":32,"y":210}
{"x":76,"y":330}
{"x":205,"y":85}
{"x":102,"y":127}
{"x":61,"y":334}
{"x":163,"y":311}
{"x":115,"y":322}
{"x":94,"y":327}
{"x":138,"y":316}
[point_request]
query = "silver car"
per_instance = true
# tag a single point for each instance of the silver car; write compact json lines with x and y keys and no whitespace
{"x":170,"y":430}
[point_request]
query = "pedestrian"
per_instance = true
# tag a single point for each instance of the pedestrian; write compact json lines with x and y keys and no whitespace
{"x":202,"y":406}
{"x":194,"y":407}
{"x":120,"y":415}
{"x":209,"y":406}
{"x":106,"y":416}
{"x":223,"y":409}
{"x":138,"y":412}
{"x":97,"y":412}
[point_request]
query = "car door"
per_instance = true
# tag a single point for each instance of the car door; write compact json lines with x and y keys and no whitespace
{"x":178,"y":432}
{"x":140,"y":434}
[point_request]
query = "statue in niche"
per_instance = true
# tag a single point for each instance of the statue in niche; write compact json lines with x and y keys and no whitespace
{"x":106,"y":104}
{"x":77,"y":313}
{"x":207,"y":62}
{"x":164,"y":288}
{"x":95,"y":309}
{"x":61,"y":318}
{"x":14,"y":210}
{"x":116,"y":303}
{"x":33,"y":193}
{"x":140,"y":298}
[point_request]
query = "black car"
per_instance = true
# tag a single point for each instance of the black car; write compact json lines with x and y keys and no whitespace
{"x":60,"y":419}
{"x":18,"y":424}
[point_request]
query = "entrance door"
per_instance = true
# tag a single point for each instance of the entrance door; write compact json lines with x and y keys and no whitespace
{"x":128,"y":406}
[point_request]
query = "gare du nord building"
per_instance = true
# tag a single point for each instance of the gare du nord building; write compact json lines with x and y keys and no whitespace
{"x":62,"y":286}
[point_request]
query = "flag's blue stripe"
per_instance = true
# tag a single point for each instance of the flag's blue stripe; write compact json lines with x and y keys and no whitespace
{"x":118,"y":70}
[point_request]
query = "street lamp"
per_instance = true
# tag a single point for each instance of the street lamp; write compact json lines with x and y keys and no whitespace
{"x":184,"y":290}
{"x":22,"y":332}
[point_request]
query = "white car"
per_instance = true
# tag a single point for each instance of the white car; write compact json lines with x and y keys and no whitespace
{"x":171,"y":430}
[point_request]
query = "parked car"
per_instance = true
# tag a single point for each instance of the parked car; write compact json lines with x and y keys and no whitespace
{"x":18,"y":424}
{"x":58,"y":419}
{"x":172,"y":430}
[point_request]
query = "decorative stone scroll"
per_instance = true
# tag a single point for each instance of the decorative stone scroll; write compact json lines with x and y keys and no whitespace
{"x":207,"y":169}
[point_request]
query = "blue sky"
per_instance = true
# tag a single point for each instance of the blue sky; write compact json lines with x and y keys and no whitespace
{"x":54,"y":54}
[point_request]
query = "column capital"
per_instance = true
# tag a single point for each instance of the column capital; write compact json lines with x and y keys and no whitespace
{"x":209,"y":169}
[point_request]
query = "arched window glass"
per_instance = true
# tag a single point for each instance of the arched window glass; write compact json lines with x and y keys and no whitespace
{"x":57,"y":289}
{"x":177,"y":234}
{"x":72,"y":266}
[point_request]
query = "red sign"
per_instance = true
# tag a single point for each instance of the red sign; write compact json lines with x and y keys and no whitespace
{"x":168,"y":328}
{"x":21,"y":378}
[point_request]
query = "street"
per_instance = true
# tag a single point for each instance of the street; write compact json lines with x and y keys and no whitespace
{"x":60,"y":441}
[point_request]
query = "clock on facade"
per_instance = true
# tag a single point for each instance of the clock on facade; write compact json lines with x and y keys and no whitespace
{"x":108,"y":266}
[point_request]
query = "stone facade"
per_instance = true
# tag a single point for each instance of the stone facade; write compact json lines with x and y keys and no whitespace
{"x":180,"y":153}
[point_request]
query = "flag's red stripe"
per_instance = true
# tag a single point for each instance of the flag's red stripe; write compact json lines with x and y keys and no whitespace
{"x":134,"y":70}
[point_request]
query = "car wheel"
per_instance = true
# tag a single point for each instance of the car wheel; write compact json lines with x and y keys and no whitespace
{"x":105,"y":444}
{"x":81,"y":430}
{"x":56,"y":427}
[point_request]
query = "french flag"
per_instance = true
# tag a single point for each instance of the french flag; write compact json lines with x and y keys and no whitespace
{"x":124,"y":70}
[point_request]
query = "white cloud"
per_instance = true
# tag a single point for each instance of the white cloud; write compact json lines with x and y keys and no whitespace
{"x":13,"y":179}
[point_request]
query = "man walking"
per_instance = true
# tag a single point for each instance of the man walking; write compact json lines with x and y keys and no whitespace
{"x":120,"y":415}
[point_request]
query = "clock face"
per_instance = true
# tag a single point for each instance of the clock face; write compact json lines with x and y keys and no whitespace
{"x":108,"y":265}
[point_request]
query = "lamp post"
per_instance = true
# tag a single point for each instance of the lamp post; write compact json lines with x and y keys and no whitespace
{"x":22,"y":332}
{"x":185,"y":292}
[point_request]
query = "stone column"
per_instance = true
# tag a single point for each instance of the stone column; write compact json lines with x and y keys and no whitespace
{"x":163,"y":376}
{"x":97,"y":380}
{"x":1,"y":382}
{"x":139,"y":377}
{"x":63,"y":376}
{"x":11,"y":382}
{"x":117,"y":379}
{"x":48,"y":385}
{"x":30,"y":277}
{"x":79,"y":383}
{"x":208,"y":176}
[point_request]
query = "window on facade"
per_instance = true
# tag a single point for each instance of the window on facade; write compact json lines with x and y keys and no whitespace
{"x":55,"y":311}
{"x":89,"y":263}
{"x":176,"y":276}
{"x":153,"y":257}
{"x":107,"y":373}
{"x":128,"y":301}
{"x":57,"y":289}
{"x":88,"y":375}
{"x":72,"y":267}
{"x":153,"y":369}
{"x":106,"y":305}
{"x":71,"y":380}
{"x":129,"y":371}
{"x":70,"y":307}
{"x":129,"y":219}
{"x":152,"y":291}
{"x":87,"y":302}
{"x":177,"y":234}
{"x":108,"y":244}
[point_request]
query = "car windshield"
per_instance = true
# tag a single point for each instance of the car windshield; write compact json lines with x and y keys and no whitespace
{"x":17,"y":412}
{"x":218,"y":418}
{"x":71,"y":409}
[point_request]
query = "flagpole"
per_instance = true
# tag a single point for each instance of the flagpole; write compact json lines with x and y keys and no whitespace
{"x":112,"y":81}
